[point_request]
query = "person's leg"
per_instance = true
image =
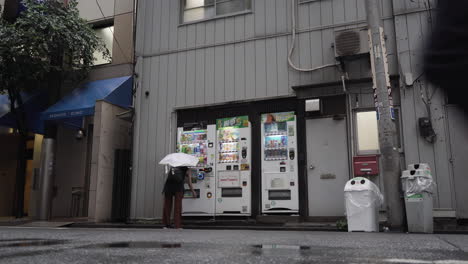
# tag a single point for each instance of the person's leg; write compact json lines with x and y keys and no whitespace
{"x":178,"y":209}
{"x":167,"y":209}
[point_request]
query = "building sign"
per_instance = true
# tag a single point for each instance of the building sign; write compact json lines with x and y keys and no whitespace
{"x":236,"y":122}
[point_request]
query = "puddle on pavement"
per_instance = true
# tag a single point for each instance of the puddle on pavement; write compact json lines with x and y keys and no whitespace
{"x":136,"y":244}
{"x":275,"y":246}
{"x":33,"y":243}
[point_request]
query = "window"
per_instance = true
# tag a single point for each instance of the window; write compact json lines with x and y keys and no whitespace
{"x":107,"y":35}
{"x":194,"y":10}
{"x":367,"y":132}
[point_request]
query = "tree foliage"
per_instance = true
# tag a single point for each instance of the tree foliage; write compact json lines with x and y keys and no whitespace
{"x":47,"y":37}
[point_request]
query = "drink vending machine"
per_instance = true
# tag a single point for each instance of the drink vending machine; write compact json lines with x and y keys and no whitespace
{"x":233,"y":168}
{"x":200,"y":143}
{"x":279,"y":163}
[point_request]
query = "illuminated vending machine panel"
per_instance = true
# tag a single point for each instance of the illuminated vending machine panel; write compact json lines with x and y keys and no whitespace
{"x":279,"y":163}
{"x":233,"y":166}
{"x":199,"y":143}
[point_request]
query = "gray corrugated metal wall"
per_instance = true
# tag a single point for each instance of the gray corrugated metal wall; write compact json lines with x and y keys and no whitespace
{"x":230,"y":59}
{"x":413,"y":26}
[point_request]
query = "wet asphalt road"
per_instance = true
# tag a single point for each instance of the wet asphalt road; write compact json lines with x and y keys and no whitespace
{"x":71,"y":245}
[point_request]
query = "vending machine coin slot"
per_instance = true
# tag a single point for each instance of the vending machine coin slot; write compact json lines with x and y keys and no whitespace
{"x":244,"y":183}
{"x":228,"y":167}
{"x":235,"y":167}
{"x":292,"y":154}
{"x":244,"y":152}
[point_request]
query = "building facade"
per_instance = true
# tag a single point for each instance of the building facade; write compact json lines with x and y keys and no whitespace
{"x":199,"y":61}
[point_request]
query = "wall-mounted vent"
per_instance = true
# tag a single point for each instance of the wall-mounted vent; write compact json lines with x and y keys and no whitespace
{"x":351,"y":42}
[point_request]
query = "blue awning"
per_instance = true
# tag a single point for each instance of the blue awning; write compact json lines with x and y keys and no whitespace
{"x":34,"y":103}
{"x":82,"y":100}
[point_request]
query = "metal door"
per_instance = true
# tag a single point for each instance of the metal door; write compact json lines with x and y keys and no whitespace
{"x":458,"y":129}
{"x":327,"y":166}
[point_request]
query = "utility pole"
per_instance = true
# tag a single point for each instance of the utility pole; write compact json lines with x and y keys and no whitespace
{"x":390,"y":155}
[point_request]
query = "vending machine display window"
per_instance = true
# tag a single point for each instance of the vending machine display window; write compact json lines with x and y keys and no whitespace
{"x":195,"y":143}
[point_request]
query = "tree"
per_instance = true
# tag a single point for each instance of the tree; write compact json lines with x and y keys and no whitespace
{"x":46,"y":44}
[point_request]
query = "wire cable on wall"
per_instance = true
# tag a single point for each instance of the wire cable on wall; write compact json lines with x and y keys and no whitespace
{"x":291,"y":50}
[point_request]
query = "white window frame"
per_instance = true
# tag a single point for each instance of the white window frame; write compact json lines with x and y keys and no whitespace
{"x":182,"y":12}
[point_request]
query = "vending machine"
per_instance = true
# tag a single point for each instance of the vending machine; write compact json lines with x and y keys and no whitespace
{"x":279,"y":163}
{"x":233,"y":166}
{"x":200,"y":143}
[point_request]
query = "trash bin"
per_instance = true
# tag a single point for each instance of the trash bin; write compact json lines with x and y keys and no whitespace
{"x":362,"y":200}
{"x":418,"y":187}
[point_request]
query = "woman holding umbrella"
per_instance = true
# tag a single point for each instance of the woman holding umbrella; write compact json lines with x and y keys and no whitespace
{"x":174,"y":186}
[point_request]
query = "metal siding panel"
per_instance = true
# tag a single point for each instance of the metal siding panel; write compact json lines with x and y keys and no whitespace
{"x":260,"y":27}
{"x":239,"y":28}
{"x":294,"y":76}
{"x":304,"y":50}
{"x":181,"y":77}
{"x":361,"y":9}
{"x":239,"y":58}
{"x":172,"y":81}
{"x":387,"y":8}
{"x":314,"y":13}
{"x":317,"y":55}
{"x":350,"y":10}
{"x":338,"y":11}
{"x":161,"y":138}
{"x":200,"y":77}
{"x":282,"y":55}
{"x":173,"y":25}
{"x":148,"y":27}
{"x":270,"y":17}
{"x":219,"y":74}
{"x":150,"y":157}
{"x":327,"y":12}
{"x":329,"y":74}
{"x":191,"y":78}
{"x":271,"y":68}
{"x":399,"y":5}
{"x":209,"y":32}
{"x":302,"y":16}
{"x":200,"y":37}
{"x":281,"y":16}
{"x":191,"y":35}
{"x":249,"y":26}
{"x":165,"y":25}
{"x":442,"y":156}
{"x":156,"y":32}
{"x":209,"y":75}
{"x":182,"y":37}
{"x":260,"y":69}
{"x":141,"y":25}
{"x":219,"y":31}
{"x":229,"y":81}
{"x":250,"y":70}
{"x":229,"y":31}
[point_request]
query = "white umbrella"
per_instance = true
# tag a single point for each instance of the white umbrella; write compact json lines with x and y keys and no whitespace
{"x":179,"y":160}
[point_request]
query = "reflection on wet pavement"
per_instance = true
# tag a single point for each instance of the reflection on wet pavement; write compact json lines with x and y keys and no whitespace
{"x":31,"y":243}
{"x":136,"y":244}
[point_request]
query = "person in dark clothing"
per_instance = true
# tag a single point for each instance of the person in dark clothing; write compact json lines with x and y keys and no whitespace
{"x":174,"y":188}
{"x":446,"y":56}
